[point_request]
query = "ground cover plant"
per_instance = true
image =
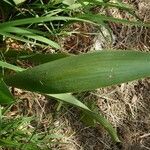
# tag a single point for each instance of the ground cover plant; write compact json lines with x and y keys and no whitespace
{"x":59,"y":75}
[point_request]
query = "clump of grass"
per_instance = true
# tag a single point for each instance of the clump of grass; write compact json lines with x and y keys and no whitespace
{"x":21,"y":132}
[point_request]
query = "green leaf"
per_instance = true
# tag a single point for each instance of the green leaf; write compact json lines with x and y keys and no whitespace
{"x":100,"y":18}
{"x":26,"y":33}
{"x":83,"y":72}
{"x":68,"y":98}
{"x":119,"y":5}
{"x":5,"y":95}
{"x":87,"y":118}
{"x":17,"y":2}
{"x":9,"y":144}
{"x":39,"y":20}
{"x":36,"y":58}
{"x":69,"y":2}
{"x":20,"y":38}
{"x":10,"y":66}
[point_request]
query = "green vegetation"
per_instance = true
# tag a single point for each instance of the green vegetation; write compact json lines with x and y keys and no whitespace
{"x":20,"y":133}
{"x":58,"y":75}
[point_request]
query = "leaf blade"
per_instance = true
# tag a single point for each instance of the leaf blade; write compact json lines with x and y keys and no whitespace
{"x":29,"y":34}
{"x":84,"y":72}
{"x":10,"y":66}
{"x":68,"y":98}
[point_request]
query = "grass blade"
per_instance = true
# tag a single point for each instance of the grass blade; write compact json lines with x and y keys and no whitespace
{"x":10,"y":66}
{"x":39,"y":20}
{"x":19,"y":38}
{"x":68,"y":98}
{"x":83,"y":72}
{"x":119,"y":5}
{"x":9,"y":144}
{"x":29,"y":34}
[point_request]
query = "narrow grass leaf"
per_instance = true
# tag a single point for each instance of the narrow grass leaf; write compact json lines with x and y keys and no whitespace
{"x":36,"y":58}
{"x":19,"y":38}
{"x":29,"y":34}
{"x":68,"y":98}
{"x":119,"y":5}
{"x":10,"y":66}
{"x":40,"y":19}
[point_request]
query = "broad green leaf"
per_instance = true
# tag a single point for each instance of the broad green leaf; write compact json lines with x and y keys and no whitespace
{"x":68,"y":98}
{"x":5,"y":95}
{"x":83,"y":72}
{"x":87,"y":119}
